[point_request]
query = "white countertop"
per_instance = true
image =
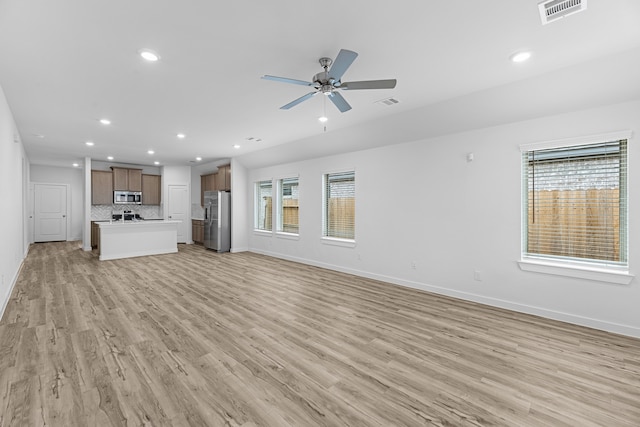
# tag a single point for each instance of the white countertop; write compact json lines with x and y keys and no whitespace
{"x":147,"y":222}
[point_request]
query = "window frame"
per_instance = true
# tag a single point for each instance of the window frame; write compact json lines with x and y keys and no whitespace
{"x":257,"y":206}
{"x":325,"y":238}
{"x":279,"y":207}
{"x":582,"y":269}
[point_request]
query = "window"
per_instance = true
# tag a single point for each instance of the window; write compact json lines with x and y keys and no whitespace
{"x":339,"y":211}
{"x":575,"y":203}
{"x":288,"y":206}
{"x":263,"y":203}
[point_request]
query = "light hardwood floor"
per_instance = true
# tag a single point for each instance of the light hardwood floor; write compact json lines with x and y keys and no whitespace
{"x":200,"y":338}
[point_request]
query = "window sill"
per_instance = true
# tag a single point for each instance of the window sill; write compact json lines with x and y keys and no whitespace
{"x":334,"y":241}
{"x":263,"y":233}
{"x":620,"y":277}
{"x":289,"y":236}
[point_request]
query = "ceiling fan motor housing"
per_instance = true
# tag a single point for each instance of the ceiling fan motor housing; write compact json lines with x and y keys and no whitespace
{"x":321,"y":78}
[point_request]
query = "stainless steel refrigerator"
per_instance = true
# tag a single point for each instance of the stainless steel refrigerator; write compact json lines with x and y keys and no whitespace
{"x":217,"y":220}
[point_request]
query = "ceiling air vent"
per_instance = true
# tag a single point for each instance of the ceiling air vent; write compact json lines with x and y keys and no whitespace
{"x":552,"y":10}
{"x":387,"y":101}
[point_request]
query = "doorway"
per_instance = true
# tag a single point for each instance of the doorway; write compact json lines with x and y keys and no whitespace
{"x":50,"y":212}
{"x":178,"y":207}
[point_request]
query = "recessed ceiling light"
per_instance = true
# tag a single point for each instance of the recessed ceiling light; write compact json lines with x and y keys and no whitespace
{"x":149,"y":55}
{"x":323,"y":119}
{"x":156,"y":163}
{"x":89,"y":143}
{"x":38,"y":135}
{"x":105,"y":121}
{"x":520,"y":56}
{"x":110,"y":158}
{"x":236,"y":146}
{"x":181,"y":135}
{"x":150,"y":152}
{"x":198,"y":159}
{"x":75,"y":165}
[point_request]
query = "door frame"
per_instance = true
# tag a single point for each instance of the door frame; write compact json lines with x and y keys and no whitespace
{"x":32,"y":215}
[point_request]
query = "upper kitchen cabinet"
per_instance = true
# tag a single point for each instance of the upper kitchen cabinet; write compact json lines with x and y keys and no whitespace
{"x":223,"y":178}
{"x":101,"y":187}
{"x":151,"y":194}
{"x":127,"y":179}
{"x":207,"y":183}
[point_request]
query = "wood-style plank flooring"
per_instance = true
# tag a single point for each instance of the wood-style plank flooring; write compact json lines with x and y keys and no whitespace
{"x":205,"y":339}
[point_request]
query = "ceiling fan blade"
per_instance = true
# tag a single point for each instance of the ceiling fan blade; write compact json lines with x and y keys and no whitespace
{"x":343,"y":61}
{"x":287,"y":80}
{"x":339,"y":102}
{"x":369,"y":84}
{"x":298,"y":101}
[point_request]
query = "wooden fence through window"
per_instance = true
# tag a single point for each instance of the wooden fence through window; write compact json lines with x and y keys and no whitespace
{"x":575,"y":223}
{"x":341,"y":216}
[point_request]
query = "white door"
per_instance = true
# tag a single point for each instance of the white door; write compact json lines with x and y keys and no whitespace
{"x":50,"y":211}
{"x":178,"y":208}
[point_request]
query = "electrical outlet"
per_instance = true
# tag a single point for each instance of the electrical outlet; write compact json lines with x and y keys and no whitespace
{"x":413,"y":265}
{"x":359,"y":257}
{"x":477,"y":275}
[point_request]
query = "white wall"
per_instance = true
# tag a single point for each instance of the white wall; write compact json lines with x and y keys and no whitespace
{"x":74,"y":177}
{"x":14,"y":177}
{"x":241,"y":204}
{"x":423,"y":203}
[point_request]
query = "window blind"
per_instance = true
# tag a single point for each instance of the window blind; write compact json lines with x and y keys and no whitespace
{"x":263,"y":206}
{"x":339,"y":205}
{"x":575,"y":203}
{"x":288,"y":216}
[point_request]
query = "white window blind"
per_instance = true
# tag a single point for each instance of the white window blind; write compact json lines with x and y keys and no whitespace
{"x":288,"y":217}
{"x":575,"y":203}
{"x":263,"y":206}
{"x":339,"y":205}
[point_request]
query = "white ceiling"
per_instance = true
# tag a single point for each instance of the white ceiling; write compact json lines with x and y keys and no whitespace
{"x":65,"y":64}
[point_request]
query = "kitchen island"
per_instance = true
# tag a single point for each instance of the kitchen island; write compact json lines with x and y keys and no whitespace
{"x":127,"y":239}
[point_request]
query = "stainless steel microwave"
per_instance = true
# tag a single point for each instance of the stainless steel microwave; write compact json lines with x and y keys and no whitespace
{"x":127,"y":198}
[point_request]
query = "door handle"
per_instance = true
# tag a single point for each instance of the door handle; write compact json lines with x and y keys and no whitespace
{"x":64,"y":216}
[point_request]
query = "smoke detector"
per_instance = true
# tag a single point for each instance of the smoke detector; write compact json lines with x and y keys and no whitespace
{"x":552,"y":10}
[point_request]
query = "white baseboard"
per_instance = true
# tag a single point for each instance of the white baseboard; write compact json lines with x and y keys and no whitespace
{"x":493,"y":302}
{"x":14,"y":280}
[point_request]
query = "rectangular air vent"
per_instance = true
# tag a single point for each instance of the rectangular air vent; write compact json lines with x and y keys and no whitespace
{"x":552,"y":10}
{"x":387,"y":101}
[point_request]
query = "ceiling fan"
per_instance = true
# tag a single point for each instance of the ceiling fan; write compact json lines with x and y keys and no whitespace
{"x":329,"y":81}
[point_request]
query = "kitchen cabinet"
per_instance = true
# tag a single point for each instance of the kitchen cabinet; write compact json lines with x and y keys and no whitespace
{"x":223,"y":178}
{"x":219,"y":181}
{"x":151,"y":194}
{"x":101,"y":187}
{"x":197,"y":230}
{"x":127,"y":179}
{"x":207,"y":183}
{"x":95,"y":235}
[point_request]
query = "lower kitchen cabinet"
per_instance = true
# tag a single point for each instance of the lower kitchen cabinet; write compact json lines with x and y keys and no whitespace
{"x":197,"y":230}
{"x":95,"y":235}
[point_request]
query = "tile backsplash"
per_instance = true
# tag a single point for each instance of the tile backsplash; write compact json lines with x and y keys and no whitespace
{"x":104,"y":212}
{"x":197,"y":211}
